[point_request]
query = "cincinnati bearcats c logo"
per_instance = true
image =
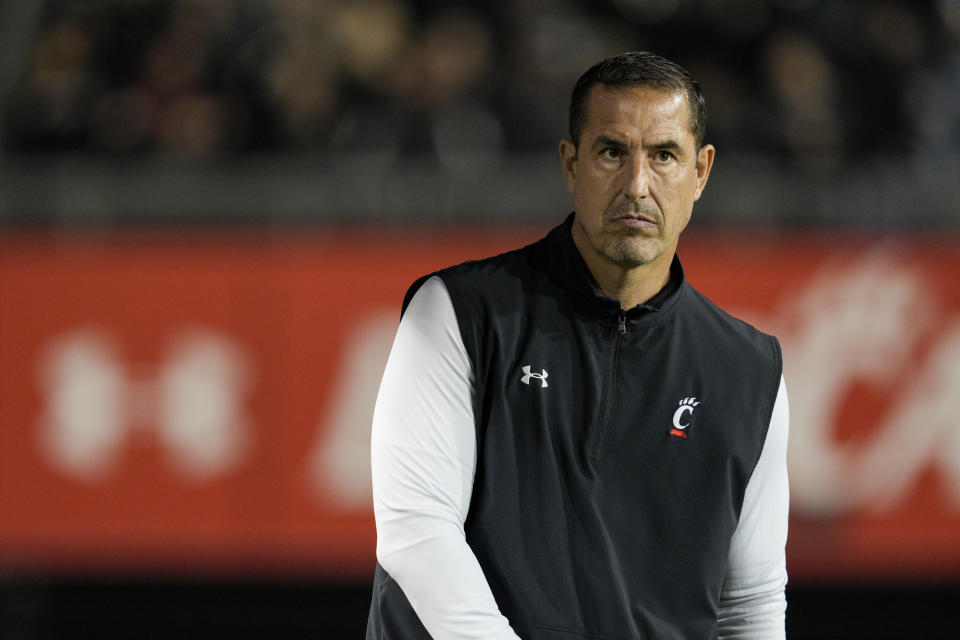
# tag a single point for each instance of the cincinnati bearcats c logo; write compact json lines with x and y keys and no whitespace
{"x":686,"y":406}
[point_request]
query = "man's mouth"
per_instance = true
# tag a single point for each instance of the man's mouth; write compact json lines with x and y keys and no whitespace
{"x":632,"y":214}
{"x":636,"y":220}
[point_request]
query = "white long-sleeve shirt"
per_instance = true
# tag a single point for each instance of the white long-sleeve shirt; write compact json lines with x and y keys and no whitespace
{"x":423,"y":454}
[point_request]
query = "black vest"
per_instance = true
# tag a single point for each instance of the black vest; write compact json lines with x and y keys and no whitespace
{"x":613,"y":449}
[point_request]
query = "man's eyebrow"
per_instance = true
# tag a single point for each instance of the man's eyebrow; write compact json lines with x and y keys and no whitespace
{"x":666,"y":145}
{"x":607,"y":141}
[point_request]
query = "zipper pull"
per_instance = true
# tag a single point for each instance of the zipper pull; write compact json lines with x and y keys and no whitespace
{"x":622,"y":327}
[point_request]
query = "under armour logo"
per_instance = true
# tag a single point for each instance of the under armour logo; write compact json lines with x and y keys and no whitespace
{"x":542,"y":376}
{"x":686,"y":406}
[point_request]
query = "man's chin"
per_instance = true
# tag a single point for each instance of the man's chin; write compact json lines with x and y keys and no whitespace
{"x":634,"y":252}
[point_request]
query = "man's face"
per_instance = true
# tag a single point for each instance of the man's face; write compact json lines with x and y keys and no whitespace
{"x":635,"y":175}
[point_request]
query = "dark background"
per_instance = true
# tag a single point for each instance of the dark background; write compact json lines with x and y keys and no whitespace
{"x":316,"y":608}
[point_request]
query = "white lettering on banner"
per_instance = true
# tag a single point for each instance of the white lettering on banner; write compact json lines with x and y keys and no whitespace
{"x":193,"y":402}
{"x":339,"y":467}
{"x":862,"y":323}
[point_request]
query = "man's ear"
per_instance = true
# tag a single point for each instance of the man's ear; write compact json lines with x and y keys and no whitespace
{"x":568,"y":162}
{"x":704,"y":164}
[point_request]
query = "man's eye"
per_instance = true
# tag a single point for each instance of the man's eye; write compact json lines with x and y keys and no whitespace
{"x":612,"y":153}
{"x":664,"y":156}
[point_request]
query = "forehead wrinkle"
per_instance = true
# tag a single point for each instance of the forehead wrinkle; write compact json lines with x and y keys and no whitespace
{"x":648,"y":110}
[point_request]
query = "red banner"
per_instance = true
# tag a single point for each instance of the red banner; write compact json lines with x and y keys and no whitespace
{"x":180,"y":402}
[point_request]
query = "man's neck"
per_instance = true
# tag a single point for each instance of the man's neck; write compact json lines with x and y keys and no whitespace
{"x":630,"y":285}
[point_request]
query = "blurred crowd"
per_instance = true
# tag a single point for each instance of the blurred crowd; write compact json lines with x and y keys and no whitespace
{"x":806,"y":79}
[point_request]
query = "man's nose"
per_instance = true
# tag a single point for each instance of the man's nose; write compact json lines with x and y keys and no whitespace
{"x":636,"y":180}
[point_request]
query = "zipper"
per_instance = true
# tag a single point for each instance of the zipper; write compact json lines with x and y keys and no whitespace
{"x":609,"y":384}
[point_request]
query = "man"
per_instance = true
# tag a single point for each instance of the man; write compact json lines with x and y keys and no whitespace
{"x":569,"y":440}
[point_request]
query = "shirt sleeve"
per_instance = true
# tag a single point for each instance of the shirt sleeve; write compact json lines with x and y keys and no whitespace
{"x":423,"y":457}
{"x":753,"y":602}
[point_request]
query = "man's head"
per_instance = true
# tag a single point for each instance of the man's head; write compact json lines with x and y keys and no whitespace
{"x":635,"y":163}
